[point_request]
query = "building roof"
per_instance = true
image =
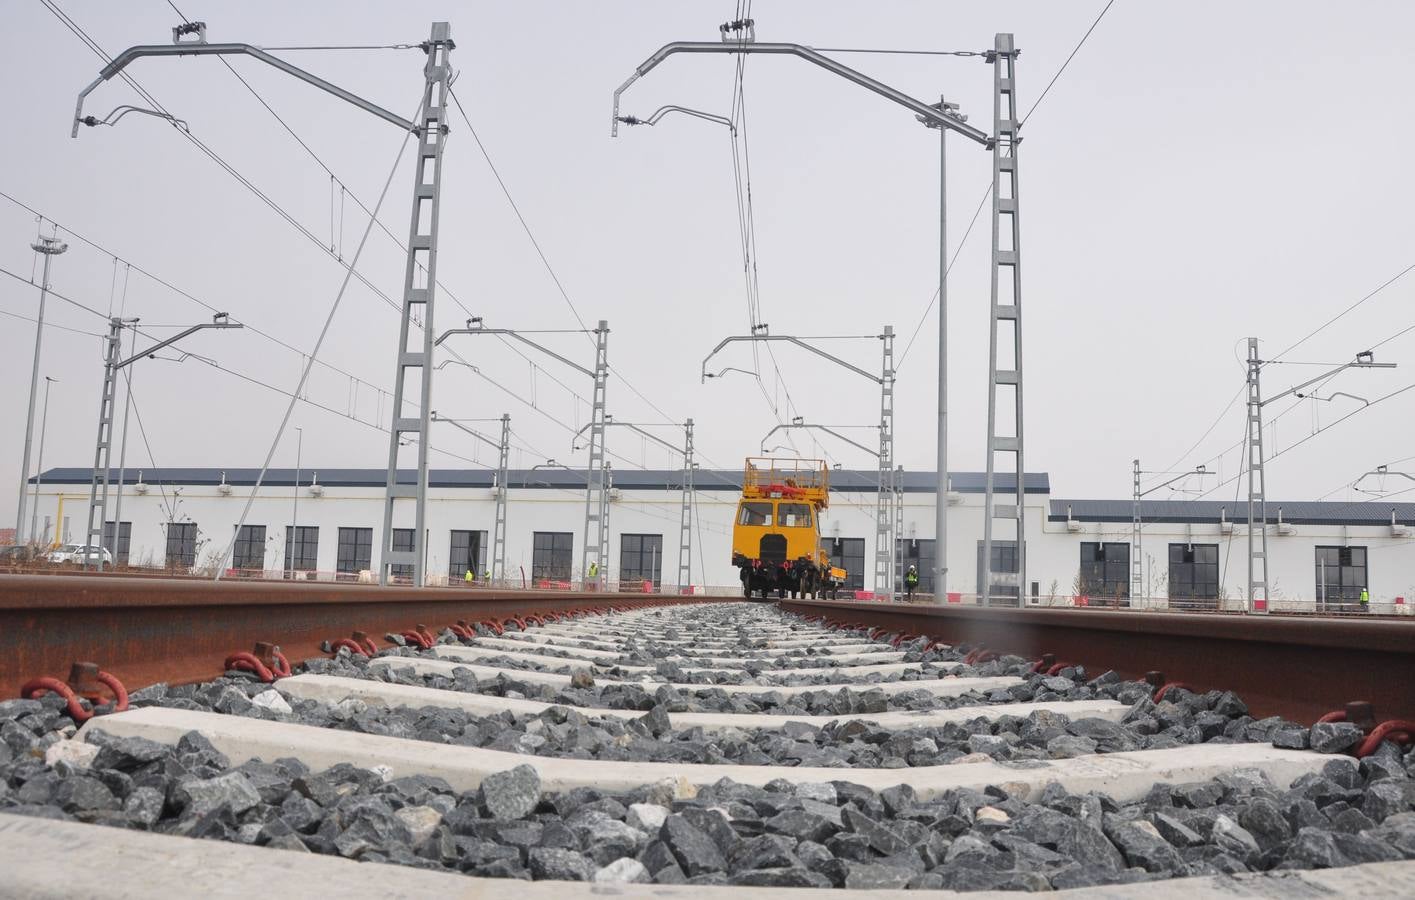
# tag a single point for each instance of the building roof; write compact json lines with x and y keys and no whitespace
{"x":863,"y":480}
{"x":1211,"y":512}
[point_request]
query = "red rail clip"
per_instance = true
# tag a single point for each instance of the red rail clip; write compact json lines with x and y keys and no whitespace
{"x":267,"y":662}
{"x":361,"y":644}
{"x":86,"y":681}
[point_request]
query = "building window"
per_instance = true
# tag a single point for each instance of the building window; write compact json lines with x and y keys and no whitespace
{"x":1341,"y":573}
{"x":848,"y":554}
{"x":355,"y":552}
{"x":919,"y":554}
{"x":1105,"y":570}
{"x":468,"y":553}
{"x":250,"y":548}
{"x":181,"y":545}
{"x":302,"y":548}
{"x":551,"y":552}
{"x":1004,"y":570}
{"x":125,"y":535}
{"x":640,"y":558}
{"x":402,"y":542}
{"x":1193,"y":572}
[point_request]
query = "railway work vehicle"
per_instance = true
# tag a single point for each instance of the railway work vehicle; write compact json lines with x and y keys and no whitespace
{"x":776,"y":535}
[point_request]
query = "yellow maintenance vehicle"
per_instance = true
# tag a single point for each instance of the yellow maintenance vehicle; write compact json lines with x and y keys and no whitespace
{"x":776,"y":534}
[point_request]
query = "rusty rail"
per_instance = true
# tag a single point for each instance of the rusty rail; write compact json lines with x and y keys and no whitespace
{"x":1300,"y":668}
{"x":145,"y":630}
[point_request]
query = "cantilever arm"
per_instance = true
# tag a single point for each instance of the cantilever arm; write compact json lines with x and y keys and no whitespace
{"x":798,"y":342}
{"x":122,"y":60}
{"x":632,"y":427}
{"x":473,"y":432}
{"x":175,"y":338}
{"x":924,"y":110}
{"x":525,"y":340}
{"x":832,"y":433}
{"x":672,"y":108}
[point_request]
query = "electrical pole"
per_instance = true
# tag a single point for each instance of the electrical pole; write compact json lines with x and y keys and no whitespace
{"x":1257,"y":599}
{"x":49,"y":248}
{"x":597,"y":475}
{"x":1006,"y":314}
{"x":123,"y":455}
{"x":685,"y":516}
{"x":1137,"y":587}
{"x":503,"y":448}
{"x":941,"y":501}
{"x":941,"y":116}
{"x":103,"y":447}
{"x":884,"y":517}
{"x":597,"y":470}
{"x":294,"y":506}
{"x":39,"y":467}
{"x":422,"y":255}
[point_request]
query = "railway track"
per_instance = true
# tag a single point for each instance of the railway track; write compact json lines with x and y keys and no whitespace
{"x":712,"y":747}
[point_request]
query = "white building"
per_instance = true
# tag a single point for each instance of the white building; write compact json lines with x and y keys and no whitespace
{"x":1194,"y":552}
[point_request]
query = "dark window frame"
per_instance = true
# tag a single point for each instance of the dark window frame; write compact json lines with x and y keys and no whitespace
{"x":917,"y":552}
{"x":305,"y":540}
{"x":181,"y":551}
{"x":354,"y":551}
{"x":248,"y":552}
{"x":552,"y":555}
{"x":1105,"y":569}
{"x":125,"y":541}
{"x":1194,"y":572}
{"x":461,"y":542}
{"x":640,"y":559}
{"x":1345,"y":578}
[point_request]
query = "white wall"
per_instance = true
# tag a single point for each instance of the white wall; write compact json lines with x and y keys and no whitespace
{"x":1053,"y":551}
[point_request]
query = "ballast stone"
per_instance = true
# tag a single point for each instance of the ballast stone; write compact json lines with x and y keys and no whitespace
{"x":511,"y":794}
{"x":1334,"y":737}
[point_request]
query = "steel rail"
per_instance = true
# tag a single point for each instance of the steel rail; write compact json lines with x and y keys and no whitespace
{"x":1297,"y":667}
{"x":147,"y":630}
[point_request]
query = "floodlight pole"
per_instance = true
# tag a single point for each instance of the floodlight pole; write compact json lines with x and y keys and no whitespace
{"x":103,"y":447}
{"x":1257,"y":598}
{"x":48,"y":248}
{"x":503,"y":448}
{"x":596,"y":542}
{"x":189,"y":39}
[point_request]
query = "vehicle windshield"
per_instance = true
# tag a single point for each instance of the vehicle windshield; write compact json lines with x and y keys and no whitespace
{"x":755,"y":514}
{"x":69,"y":548}
{"x":794,"y":515}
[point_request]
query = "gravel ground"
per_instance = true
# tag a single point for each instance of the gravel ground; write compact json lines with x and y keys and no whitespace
{"x":831,"y":834}
{"x":827,"y":834}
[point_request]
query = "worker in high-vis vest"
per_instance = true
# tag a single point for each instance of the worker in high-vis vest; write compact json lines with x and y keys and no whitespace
{"x":592,"y":575}
{"x":469,"y":578}
{"x":1365,"y":599}
{"x":911,"y":581}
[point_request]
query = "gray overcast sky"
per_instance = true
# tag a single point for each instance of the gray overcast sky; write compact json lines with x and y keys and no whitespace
{"x":1202,"y":171}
